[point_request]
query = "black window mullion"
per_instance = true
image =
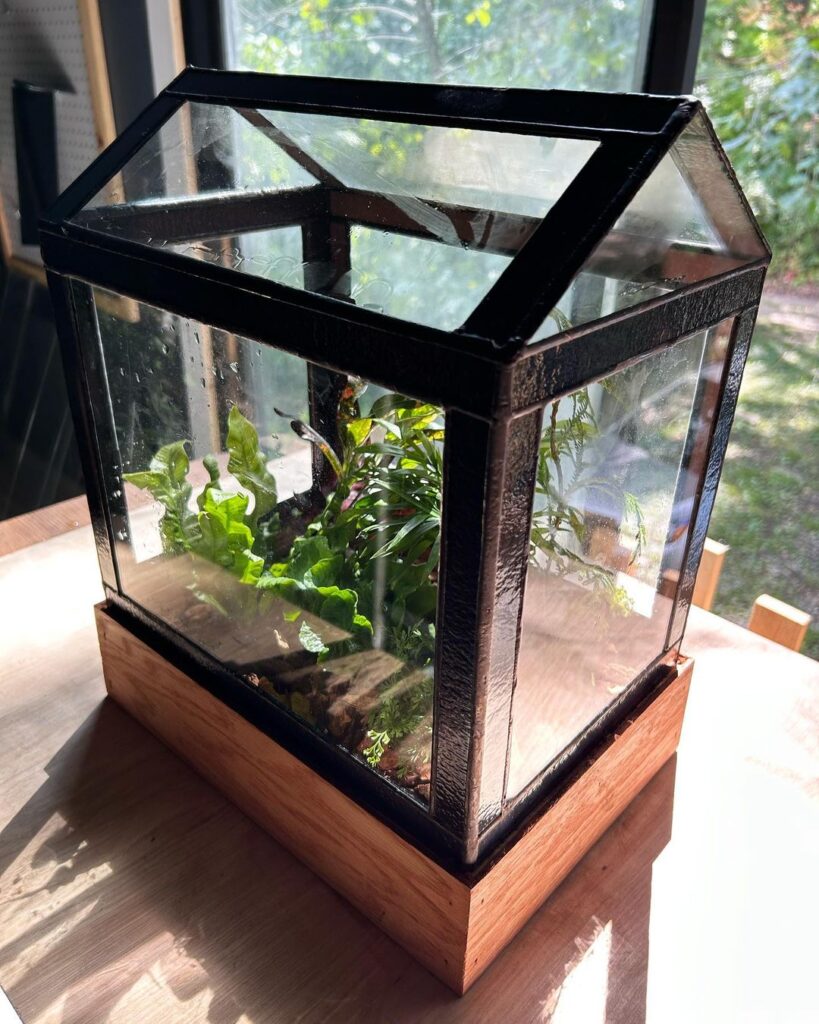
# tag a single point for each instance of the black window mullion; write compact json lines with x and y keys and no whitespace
{"x":673,"y":46}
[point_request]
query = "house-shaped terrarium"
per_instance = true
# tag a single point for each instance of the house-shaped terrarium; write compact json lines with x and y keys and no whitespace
{"x":402,"y":411}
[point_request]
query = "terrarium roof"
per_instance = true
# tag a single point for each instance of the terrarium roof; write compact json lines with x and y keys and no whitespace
{"x":465,"y":211}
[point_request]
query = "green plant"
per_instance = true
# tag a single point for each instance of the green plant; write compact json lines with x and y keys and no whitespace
{"x":759,"y":77}
{"x":381,"y":523}
{"x":561,"y":528}
{"x":368,"y":562}
{"x":223,"y":530}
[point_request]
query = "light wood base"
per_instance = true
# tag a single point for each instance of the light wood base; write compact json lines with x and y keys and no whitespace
{"x":453,"y":925}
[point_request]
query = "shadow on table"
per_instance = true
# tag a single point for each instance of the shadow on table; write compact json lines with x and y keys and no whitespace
{"x":126,"y":877}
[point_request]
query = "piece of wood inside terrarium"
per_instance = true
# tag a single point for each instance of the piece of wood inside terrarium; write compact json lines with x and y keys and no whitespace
{"x":259,"y":636}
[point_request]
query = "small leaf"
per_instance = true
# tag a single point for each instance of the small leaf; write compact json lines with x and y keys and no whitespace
{"x":173,"y":460}
{"x":359,"y":429}
{"x":310,"y":640}
{"x":248,"y":464}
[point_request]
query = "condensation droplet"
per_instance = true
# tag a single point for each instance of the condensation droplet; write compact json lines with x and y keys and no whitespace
{"x":234,"y":367}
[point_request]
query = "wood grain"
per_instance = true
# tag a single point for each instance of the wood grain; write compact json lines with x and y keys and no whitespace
{"x":413,"y":899}
{"x":97,"y":65}
{"x":779,"y":621}
{"x":453,"y":927}
{"x":133,"y":892}
{"x":705,"y":587}
{"x":504,"y":900}
{"x":34,"y":527}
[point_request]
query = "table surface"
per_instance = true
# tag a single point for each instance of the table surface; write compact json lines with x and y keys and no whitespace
{"x":131,"y":891}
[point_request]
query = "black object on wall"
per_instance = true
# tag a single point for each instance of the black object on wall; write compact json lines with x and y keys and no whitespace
{"x":35,"y":139}
{"x":39,"y":462}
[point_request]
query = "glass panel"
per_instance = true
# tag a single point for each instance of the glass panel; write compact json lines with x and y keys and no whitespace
{"x":304,"y":557}
{"x":385,"y":269}
{"x":201,"y":149}
{"x":541,"y":44}
{"x":686,"y":224}
{"x":414,"y":221}
{"x":620,"y":463}
{"x":275,"y":254}
{"x":522,"y":174}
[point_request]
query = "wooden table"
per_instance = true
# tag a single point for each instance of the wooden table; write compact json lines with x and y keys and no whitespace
{"x":130,"y":891}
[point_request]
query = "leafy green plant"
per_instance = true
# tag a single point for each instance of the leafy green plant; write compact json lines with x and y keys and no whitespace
{"x":381,"y":524}
{"x":560,"y":527}
{"x":758,"y":75}
{"x":377,"y":542}
{"x":223,"y":530}
{"x":368,"y":562}
{"x":166,"y":480}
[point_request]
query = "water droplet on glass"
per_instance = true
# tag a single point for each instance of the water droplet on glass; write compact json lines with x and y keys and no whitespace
{"x":202,"y":381}
{"x":122,"y":535}
{"x":234,"y":367}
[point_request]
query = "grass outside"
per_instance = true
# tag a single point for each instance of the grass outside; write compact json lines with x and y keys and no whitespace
{"x":767,"y":507}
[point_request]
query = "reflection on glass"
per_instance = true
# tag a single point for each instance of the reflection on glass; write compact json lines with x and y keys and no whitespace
{"x":423,"y":166}
{"x":382,"y":277}
{"x":687,"y":223}
{"x":415,"y":221}
{"x":201,"y":149}
{"x":292,"y":531}
{"x":538,"y":44}
{"x":616,"y":483}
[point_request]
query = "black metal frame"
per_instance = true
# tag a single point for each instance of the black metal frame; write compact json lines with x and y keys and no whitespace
{"x":492,"y":385}
{"x":673,"y":43}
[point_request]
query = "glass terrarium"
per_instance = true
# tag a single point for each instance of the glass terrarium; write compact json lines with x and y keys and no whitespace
{"x":402,"y":411}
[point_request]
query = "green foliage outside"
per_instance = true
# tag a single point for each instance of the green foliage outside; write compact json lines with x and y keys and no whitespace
{"x":758,"y":72}
{"x":767,"y":508}
{"x":580,"y":44}
{"x":759,"y":78}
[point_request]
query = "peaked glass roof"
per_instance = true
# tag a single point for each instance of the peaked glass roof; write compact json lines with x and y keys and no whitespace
{"x":505,"y":216}
{"x":434,"y":214}
{"x":687,"y":223}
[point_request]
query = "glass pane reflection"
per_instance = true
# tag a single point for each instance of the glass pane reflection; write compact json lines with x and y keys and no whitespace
{"x":619,"y":465}
{"x":286,"y":519}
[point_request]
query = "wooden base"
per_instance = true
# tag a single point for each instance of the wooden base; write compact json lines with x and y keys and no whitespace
{"x":453,"y":925}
